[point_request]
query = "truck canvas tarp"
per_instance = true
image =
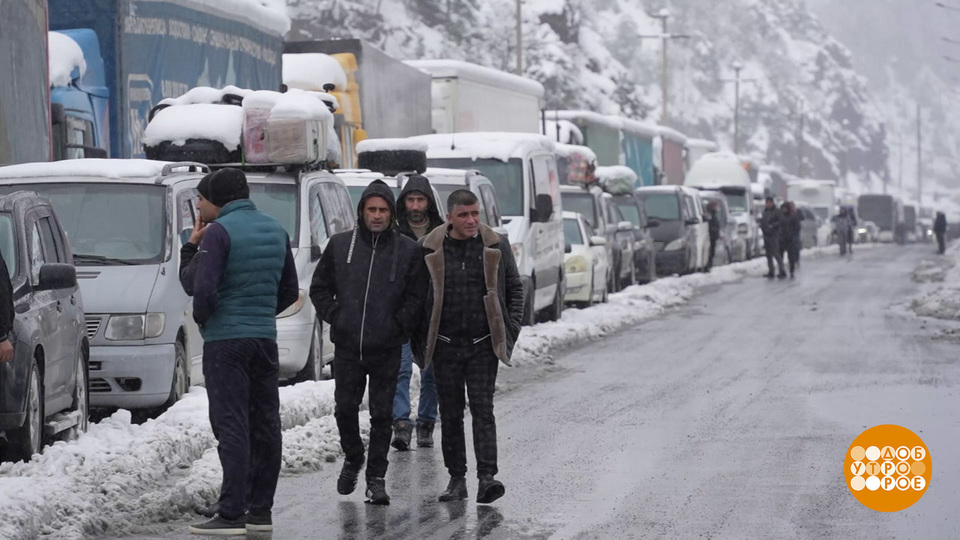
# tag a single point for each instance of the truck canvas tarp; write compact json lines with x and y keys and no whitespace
{"x":384,"y":97}
{"x":24,"y":85}
{"x":155,"y":49}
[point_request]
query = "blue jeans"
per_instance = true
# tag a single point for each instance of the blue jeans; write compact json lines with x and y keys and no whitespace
{"x":427,"y":411}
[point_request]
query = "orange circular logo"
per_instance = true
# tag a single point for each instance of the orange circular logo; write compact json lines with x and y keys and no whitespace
{"x":888,"y":468}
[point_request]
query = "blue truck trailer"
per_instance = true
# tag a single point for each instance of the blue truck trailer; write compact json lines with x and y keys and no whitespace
{"x":24,"y":95}
{"x":150,"y":50}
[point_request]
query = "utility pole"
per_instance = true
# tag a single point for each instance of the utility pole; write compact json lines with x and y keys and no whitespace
{"x":919,"y":159}
{"x":519,"y":37}
{"x":737,"y":80}
{"x":664,"y":38}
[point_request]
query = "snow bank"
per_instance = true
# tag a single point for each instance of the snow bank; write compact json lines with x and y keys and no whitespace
{"x":382,"y":145}
{"x":222,"y":123}
{"x":65,"y":55}
{"x":310,"y":71}
{"x":489,"y":145}
{"x":940,"y":276}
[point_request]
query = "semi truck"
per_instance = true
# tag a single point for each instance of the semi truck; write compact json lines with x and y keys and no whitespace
{"x":138,"y":52}
{"x":668,"y":156}
{"x":379,"y":97}
{"x":470,"y":97}
{"x":24,"y":85}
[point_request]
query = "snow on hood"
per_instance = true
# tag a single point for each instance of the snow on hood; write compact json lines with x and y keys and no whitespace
{"x":65,"y":56}
{"x":105,"y":168}
{"x":501,"y":79}
{"x":222,"y":123}
{"x":614,"y":173}
{"x":310,"y":71}
{"x":484,"y":145}
{"x":380,"y":145}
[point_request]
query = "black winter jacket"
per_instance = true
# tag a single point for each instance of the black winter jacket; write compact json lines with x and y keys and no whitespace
{"x":714,"y":227}
{"x":421,"y":185}
{"x":770,"y":222}
{"x":940,"y":224}
{"x":369,"y":287}
{"x":789,"y":227}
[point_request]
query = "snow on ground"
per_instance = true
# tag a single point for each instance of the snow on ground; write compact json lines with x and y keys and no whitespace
{"x":940,"y":279}
{"x":120,"y":477}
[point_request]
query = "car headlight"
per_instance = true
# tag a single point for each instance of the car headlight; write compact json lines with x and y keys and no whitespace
{"x":134,"y":327}
{"x":861,"y":231}
{"x":675,"y":245}
{"x":517,"y":252}
{"x":576,"y":265}
{"x":296,"y":307}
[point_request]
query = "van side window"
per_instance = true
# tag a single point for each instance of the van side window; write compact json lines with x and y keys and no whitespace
{"x":541,"y":176}
{"x":51,"y":253}
{"x":318,"y":224}
{"x":490,"y":201}
{"x":345,"y":202}
{"x":36,"y":255}
{"x":186,"y":213}
{"x":333,"y":209}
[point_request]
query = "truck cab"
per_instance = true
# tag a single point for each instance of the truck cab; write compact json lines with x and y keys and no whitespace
{"x":78,"y":96}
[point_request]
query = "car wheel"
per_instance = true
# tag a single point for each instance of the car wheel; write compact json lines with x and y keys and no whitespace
{"x":81,"y":398}
{"x":28,"y":440}
{"x":181,"y":376}
{"x":556,"y":310}
{"x":529,"y":315}
{"x":311,"y":370}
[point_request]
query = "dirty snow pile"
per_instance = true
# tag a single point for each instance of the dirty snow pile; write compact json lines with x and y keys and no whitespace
{"x":120,"y":477}
{"x":939,"y":276}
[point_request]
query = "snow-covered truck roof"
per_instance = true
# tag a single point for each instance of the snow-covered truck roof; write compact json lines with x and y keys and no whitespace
{"x":270,"y":15}
{"x":65,"y":55}
{"x":705,"y":144}
{"x":135,"y":171}
{"x":439,"y":69}
{"x":310,"y":71}
{"x":637,"y":127}
{"x":718,"y":169}
{"x":567,"y":150}
{"x":610,"y":122}
{"x":484,"y":145}
{"x":671,"y":134}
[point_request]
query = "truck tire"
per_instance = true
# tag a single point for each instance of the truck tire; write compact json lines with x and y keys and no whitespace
{"x":181,"y":376}
{"x":314,"y":366}
{"x":28,"y":440}
{"x":81,"y":398}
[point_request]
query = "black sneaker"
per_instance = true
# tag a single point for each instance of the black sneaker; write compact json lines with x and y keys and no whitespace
{"x":257,"y":522}
{"x":348,"y":477}
{"x":220,"y":526}
{"x":489,"y":489}
{"x":208,"y":511}
{"x":425,"y":435}
{"x":456,"y":490}
{"x":402,"y":432}
{"x":377,"y":491}
{"x":782,"y":275}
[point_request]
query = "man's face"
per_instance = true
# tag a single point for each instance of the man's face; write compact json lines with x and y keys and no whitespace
{"x":208,"y":210}
{"x":769,"y":204}
{"x":416,"y":205}
{"x":376,"y":214}
{"x":465,"y":221}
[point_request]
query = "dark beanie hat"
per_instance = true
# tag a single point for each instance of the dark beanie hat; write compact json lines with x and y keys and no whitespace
{"x":224,"y":186}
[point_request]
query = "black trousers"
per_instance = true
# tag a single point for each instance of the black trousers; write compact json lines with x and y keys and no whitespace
{"x":713,"y":251}
{"x":941,"y":245}
{"x":241,"y":376}
{"x":350,"y":375}
{"x":472,"y":367}
{"x":771,"y":245}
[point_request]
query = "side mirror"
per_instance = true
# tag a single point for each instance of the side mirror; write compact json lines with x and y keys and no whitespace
{"x":55,"y":276}
{"x":598,"y":241}
{"x":567,"y":248}
{"x":315,"y":253}
{"x":544,"y":207}
{"x":652,"y":223}
{"x":624,"y":226}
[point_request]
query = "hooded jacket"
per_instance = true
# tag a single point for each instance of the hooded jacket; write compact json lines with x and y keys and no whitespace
{"x":421,"y":185}
{"x":770,"y":222}
{"x":369,"y":287}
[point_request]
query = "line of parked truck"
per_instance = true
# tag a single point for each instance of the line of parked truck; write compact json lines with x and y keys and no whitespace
{"x":590,"y":203}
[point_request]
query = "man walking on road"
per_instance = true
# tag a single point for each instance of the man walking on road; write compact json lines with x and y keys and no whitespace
{"x":770,"y":225}
{"x":714,"y":227}
{"x":417,"y":215}
{"x":474,"y":308}
{"x":369,"y":287}
{"x":940,"y":229}
{"x":789,"y":234}
{"x":241,"y":276}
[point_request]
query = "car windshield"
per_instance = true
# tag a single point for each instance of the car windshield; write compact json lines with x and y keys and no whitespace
{"x":736,"y":201}
{"x":108,"y":223}
{"x":281,"y":201}
{"x":507,"y":179}
{"x":821,"y":212}
{"x":582,"y":203}
{"x":662,"y":206}
{"x":8,"y":243}
{"x":571,"y":232}
{"x":629,"y":210}
{"x":878,"y":209}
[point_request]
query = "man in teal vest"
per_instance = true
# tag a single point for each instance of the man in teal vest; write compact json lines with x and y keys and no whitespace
{"x":241,"y":275}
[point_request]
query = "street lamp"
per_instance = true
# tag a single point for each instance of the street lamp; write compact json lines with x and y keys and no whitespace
{"x":664,"y":37}
{"x":737,"y":68}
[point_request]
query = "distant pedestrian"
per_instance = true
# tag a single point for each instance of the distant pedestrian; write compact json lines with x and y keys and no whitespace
{"x":940,"y":229}
{"x":842,"y":225}
{"x":770,"y":226}
{"x":240,"y":270}
{"x":789,"y":235}
{"x":417,"y":215}
{"x":369,"y":287}
{"x":797,"y":235}
{"x":714,"y":228}
{"x":473,"y":313}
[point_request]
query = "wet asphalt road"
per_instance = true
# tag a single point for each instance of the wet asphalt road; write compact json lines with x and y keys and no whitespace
{"x":729,"y":418}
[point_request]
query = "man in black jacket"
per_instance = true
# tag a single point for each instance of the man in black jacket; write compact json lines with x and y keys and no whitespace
{"x":369,"y":287}
{"x":714,"y":227}
{"x":6,"y":312}
{"x":770,"y":225}
{"x":417,"y":215}
{"x":473,"y":312}
{"x":940,"y":229}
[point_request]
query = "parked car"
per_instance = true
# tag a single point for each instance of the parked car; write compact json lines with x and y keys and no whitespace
{"x":682,"y":233}
{"x":604,"y":218}
{"x":585,"y":260}
{"x":44,"y":390}
{"x":729,"y":240}
{"x":523,"y":169}
{"x":116,"y":213}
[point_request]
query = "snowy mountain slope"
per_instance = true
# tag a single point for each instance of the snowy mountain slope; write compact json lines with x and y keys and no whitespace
{"x":588,"y":54}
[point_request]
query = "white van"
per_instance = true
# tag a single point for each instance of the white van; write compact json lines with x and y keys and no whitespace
{"x":724,"y":171}
{"x":523,"y":170}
